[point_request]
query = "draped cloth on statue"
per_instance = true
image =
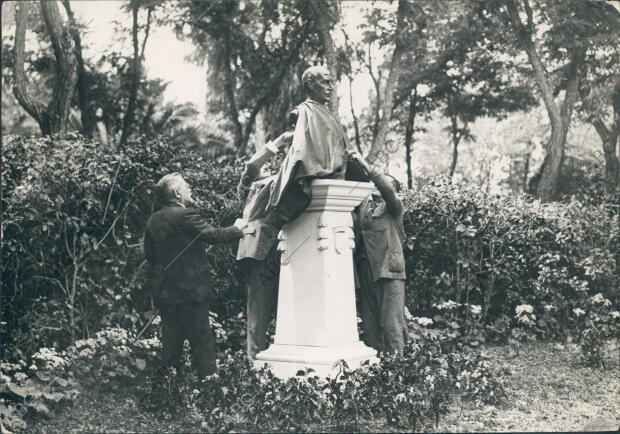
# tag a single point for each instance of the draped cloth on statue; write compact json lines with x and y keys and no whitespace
{"x":318,"y":151}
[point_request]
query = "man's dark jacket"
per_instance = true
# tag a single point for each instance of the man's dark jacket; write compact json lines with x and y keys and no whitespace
{"x":174,"y":248}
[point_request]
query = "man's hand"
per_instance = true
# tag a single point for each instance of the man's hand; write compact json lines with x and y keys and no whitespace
{"x":356,"y":156}
{"x":286,"y":138}
{"x":241,"y":224}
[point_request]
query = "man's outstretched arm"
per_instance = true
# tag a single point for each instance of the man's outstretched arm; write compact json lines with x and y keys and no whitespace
{"x":384,"y":185}
{"x":258,"y":160}
{"x":212,"y":235}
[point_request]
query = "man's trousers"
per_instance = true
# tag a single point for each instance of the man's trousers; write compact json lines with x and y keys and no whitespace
{"x":262,"y":283}
{"x":188,"y":321}
{"x":382,"y":311}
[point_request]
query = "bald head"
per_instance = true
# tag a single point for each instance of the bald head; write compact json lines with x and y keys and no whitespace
{"x":317,"y":83}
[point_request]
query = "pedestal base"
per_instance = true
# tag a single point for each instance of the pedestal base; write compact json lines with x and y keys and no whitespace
{"x":287,"y":360}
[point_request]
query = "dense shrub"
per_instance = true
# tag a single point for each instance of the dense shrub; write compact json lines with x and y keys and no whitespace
{"x":74,"y":215}
{"x":479,"y":267}
{"x":73,"y":221}
{"x":403,"y":392}
{"x":108,"y":360}
{"x":478,"y":261}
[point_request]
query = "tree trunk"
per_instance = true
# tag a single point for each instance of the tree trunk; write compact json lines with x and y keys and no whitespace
{"x":87,"y":112}
{"x":612,"y":166}
{"x":135,"y":76}
{"x":53,"y":118}
{"x":558,"y":117}
{"x":456,"y":134}
{"x":609,"y":139}
{"x":378,"y":143}
{"x":376,"y":80}
{"x":552,"y":165}
{"x":526,"y":165}
{"x":409,"y":132}
{"x":356,"y":126}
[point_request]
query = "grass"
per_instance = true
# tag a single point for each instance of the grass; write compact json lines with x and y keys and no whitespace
{"x":547,"y":390}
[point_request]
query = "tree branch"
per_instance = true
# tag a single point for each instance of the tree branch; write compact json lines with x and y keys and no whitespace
{"x":87,"y":114}
{"x":147,"y":30}
{"x":525,"y":39}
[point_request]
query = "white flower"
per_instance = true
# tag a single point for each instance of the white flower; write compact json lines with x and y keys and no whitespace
{"x":578,"y":312}
{"x":423,"y":321}
{"x":549,"y":307}
{"x":447,"y":305}
{"x":524,"y":308}
{"x":615,"y":314}
{"x":400,"y":397}
{"x":149,"y":343}
{"x":49,"y":358}
{"x":475,"y":309}
{"x":20,"y":376}
{"x":598,"y":298}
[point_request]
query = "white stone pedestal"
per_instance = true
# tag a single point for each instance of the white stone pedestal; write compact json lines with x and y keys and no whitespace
{"x":317,"y":322}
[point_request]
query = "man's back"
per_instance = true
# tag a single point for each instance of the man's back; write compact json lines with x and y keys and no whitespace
{"x":173,"y":245}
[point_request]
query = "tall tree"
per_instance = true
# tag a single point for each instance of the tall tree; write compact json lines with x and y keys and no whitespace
{"x":574,"y":26}
{"x":136,"y":68}
{"x":594,"y":104}
{"x":255,"y":51}
{"x":53,"y":118}
{"x":600,"y":97}
{"x":394,"y":71}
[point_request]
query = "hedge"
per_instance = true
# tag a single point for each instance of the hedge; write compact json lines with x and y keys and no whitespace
{"x":479,"y":266}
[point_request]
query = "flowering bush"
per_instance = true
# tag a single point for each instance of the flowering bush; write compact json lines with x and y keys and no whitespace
{"x":498,"y":253}
{"x":405,"y":391}
{"x":105,"y":360}
{"x":597,"y":323}
{"x":34,"y":390}
{"x":471,"y":258}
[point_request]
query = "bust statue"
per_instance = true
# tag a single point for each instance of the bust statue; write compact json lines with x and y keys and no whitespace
{"x":319,"y":150}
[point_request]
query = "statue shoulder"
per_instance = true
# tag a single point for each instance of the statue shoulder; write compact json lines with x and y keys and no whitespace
{"x":293,"y":115}
{"x":300,"y":110}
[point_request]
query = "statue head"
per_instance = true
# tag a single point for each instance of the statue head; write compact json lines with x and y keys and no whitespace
{"x":172,"y":188}
{"x":318,"y":83}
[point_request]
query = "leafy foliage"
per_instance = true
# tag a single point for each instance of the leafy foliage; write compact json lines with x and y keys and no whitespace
{"x":72,"y":233}
{"x":492,"y":254}
{"x":481,"y":268}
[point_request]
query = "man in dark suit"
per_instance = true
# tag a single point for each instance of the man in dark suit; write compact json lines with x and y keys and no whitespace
{"x":180,"y":279}
{"x":380,"y":263}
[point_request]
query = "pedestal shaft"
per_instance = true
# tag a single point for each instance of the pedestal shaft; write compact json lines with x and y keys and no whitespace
{"x":316,"y":320}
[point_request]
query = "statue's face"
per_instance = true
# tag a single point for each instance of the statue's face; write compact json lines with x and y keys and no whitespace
{"x":321,"y":86}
